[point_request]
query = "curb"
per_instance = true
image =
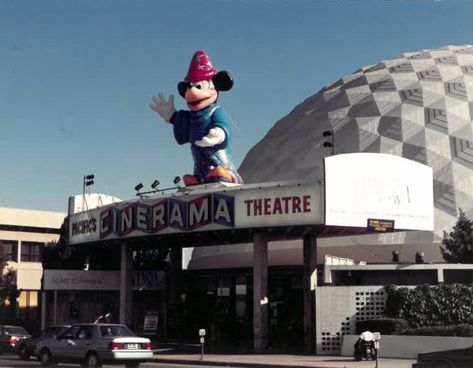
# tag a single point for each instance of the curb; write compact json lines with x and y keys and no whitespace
{"x":231,"y":364}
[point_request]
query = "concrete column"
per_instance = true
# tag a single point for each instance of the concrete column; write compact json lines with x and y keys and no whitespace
{"x":440,"y":275}
{"x":126,"y":293}
{"x":44,"y":304}
{"x":310,"y":283}
{"x":175,"y":281}
{"x":260,"y":292}
{"x":55,"y":308}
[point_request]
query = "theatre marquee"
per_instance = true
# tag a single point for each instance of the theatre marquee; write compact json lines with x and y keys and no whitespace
{"x":239,"y":207}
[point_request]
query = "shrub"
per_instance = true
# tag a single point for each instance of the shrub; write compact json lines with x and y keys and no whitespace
{"x":464,"y":330}
{"x":443,"y":305}
{"x":386,"y":326}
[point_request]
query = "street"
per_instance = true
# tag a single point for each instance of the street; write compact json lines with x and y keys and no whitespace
{"x":12,"y":361}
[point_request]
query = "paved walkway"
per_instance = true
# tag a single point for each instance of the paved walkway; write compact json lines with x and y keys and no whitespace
{"x":279,"y":360}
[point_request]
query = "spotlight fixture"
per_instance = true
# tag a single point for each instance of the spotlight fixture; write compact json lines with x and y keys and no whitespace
{"x":87,"y":181}
{"x":176,"y":180}
{"x":419,"y":257}
{"x":139,"y":186}
{"x":327,"y":134}
{"x":155,"y":184}
{"x":395,"y":257}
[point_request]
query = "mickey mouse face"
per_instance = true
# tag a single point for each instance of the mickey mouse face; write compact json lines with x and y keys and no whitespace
{"x":201,"y":94}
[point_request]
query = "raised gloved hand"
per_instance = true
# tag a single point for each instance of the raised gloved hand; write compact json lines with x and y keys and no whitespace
{"x":164,"y":108}
{"x":215,"y":136}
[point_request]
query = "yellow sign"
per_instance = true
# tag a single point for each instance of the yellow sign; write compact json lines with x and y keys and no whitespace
{"x":381,"y":225}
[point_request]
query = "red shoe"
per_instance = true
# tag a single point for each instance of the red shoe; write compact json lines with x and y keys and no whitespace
{"x":190,"y":180}
{"x":219,"y":174}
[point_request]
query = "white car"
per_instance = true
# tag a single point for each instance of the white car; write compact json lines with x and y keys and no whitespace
{"x":93,"y":344}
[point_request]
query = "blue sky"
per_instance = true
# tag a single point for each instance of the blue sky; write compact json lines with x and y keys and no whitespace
{"x":76,"y":77}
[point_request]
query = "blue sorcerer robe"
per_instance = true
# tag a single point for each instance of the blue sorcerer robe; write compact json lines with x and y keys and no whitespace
{"x":192,"y":126}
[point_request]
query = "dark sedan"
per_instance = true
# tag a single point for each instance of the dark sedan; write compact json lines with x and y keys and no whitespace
{"x":458,"y":358}
{"x":10,"y":337}
{"x":27,"y":346}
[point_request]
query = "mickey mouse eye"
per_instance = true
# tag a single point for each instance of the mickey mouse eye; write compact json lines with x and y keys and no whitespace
{"x":200,"y":85}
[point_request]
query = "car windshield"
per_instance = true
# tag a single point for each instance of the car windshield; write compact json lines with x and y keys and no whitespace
{"x":115,"y":331}
{"x":15,"y":330}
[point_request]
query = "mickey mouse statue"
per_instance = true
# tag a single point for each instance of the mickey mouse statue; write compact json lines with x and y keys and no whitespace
{"x":205,"y":126}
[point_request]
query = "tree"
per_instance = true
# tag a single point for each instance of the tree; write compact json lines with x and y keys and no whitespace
{"x":3,"y":262}
{"x":9,"y":291}
{"x":458,"y":244}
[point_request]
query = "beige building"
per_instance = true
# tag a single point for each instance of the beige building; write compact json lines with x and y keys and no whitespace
{"x":23,"y":234}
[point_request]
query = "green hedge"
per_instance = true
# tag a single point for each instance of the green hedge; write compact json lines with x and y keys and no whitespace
{"x":464,"y":330}
{"x":386,"y":326}
{"x":425,"y":305}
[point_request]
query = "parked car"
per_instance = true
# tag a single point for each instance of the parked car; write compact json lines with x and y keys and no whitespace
{"x":26,"y":347}
{"x":93,"y":344}
{"x":10,"y":337}
{"x":457,"y":358}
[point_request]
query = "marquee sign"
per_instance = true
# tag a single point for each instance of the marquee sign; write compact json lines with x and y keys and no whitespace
{"x":230,"y":208}
{"x":362,"y":186}
{"x":101,"y":280}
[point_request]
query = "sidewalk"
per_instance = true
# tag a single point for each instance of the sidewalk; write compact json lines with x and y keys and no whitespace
{"x":278,"y":360}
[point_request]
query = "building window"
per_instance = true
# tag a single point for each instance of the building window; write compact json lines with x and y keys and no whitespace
{"x":31,"y":251}
{"x":9,"y":250}
{"x":28,"y":304}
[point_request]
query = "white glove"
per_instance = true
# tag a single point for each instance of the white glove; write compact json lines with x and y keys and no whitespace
{"x":164,"y":108}
{"x":215,"y":136}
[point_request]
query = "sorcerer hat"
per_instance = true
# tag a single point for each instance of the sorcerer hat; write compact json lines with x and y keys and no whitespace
{"x":200,"y":68}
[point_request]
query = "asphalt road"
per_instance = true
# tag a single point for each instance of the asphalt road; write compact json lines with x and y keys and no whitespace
{"x":12,"y":361}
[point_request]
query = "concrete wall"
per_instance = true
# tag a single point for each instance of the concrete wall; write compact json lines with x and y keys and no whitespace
{"x":409,"y":346}
{"x":29,"y":275}
{"x":338,"y":308}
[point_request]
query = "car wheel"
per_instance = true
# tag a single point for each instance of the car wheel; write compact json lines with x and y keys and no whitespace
{"x":22,"y":353}
{"x":45,"y":358}
{"x":92,"y":361}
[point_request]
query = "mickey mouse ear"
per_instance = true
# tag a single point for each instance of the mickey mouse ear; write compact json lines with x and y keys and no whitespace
{"x":182,"y":88}
{"x":223,"y":81}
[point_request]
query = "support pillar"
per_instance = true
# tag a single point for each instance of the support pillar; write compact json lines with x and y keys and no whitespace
{"x":44,"y":305}
{"x":55,"y":308}
{"x":310,"y":283}
{"x":174,"y":305}
{"x":260,"y":292}
{"x":126,"y":292}
{"x":175,"y":282}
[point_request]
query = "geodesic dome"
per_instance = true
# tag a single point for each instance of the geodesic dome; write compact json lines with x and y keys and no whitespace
{"x":418,"y":106}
